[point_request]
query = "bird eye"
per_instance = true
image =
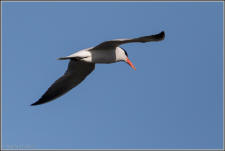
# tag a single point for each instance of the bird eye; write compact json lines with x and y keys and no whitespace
{"x":125,"y":52}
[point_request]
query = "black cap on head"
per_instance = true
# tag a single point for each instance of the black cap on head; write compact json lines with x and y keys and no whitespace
{"x":125,"y":52}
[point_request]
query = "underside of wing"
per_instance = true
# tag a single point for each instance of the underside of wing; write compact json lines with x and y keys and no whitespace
{"x":117,"y":42}
{"x":77,"y":71}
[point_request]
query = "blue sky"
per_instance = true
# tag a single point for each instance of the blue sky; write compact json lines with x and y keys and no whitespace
{"x":173,"y":100}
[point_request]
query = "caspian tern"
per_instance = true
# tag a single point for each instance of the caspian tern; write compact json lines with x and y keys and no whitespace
{"x":83,"y":63}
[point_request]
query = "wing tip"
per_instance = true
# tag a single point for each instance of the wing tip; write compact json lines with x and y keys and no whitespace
{"x":161,"y":35}
{"x":40,"y":101}
{"x":36,"y":103}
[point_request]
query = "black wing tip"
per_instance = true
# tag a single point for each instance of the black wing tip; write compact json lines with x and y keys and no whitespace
{"x":36,"y":103}
{"x":40,"y":101}
{"x":161,"y":35}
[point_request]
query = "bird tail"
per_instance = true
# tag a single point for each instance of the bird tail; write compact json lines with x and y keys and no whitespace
{"x":65,"y":58}
{"x":71,"y":57}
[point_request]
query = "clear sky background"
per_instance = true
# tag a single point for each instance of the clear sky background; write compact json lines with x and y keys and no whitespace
{"x":173,"y":100}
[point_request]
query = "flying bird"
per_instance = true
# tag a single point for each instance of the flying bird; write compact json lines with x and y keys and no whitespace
{"x":82,"y":63}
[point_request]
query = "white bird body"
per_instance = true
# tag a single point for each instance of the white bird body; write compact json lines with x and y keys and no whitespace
{"x":81,"y":53}
{"x":90,"y":55}
{"x":82,"y":63}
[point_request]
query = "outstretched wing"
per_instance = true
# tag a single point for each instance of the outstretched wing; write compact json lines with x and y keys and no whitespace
{"x":76,"y":72}
{"x":117,"y":42}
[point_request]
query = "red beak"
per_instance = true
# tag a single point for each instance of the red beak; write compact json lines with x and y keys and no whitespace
{"x":130,"y":63}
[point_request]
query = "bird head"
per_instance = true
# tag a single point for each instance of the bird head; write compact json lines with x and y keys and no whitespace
{"x":125,"y":58}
